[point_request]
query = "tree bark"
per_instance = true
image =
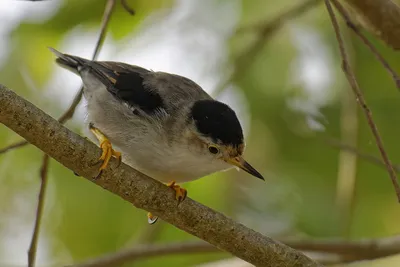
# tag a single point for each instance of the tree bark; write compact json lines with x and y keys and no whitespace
{"x":80,"y":155}
{"x":382,"y":18}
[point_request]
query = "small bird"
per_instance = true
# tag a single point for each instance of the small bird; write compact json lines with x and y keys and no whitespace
{"x":163,"y":125}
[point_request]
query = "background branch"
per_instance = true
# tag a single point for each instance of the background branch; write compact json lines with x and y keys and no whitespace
{"x":264,"y":30}
{"x":81,"y":156}
{"x":146,"y":251}
{"x":346,"y":250}
{"x":362,"y":155}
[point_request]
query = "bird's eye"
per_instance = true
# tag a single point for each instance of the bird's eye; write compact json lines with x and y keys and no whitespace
{"x":213,"y":149}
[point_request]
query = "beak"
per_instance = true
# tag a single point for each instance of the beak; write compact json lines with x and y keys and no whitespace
{"x":242,"y":164}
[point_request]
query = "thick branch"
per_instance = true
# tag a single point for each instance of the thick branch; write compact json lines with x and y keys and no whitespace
{"x":80,"y":155}
{"x":383,"y":18}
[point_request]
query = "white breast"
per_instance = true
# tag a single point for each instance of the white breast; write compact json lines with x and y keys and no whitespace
{"x":165,"y":164}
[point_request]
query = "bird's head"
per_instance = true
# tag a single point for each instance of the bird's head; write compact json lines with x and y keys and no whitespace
{"x":220,"y":134}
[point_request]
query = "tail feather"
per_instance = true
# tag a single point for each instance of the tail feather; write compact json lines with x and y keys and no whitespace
{"x":67,"y":61}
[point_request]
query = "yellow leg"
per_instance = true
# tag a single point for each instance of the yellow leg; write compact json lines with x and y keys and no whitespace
{"x":106,"y":147}
{"x":180,"y":195}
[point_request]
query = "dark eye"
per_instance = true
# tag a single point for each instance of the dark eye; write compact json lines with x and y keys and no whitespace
{"x":213,"y":149}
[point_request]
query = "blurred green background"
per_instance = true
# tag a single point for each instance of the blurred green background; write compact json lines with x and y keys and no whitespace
{"x":289,"y":92}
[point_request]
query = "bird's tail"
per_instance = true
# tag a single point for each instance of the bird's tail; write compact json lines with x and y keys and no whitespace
{"x":72,"y":63}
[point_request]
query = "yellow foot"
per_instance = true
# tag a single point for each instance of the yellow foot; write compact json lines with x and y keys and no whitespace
{"x":151,"y":219}
{"x":180,"y":193}
{"x":107,"y":149}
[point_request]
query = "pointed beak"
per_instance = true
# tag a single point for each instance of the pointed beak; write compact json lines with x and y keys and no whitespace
{"x":242,"y":164}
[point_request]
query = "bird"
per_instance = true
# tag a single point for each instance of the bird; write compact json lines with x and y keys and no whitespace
{"x":161,"y":124}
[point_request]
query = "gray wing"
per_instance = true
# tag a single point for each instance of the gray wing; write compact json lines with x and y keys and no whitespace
{"x":175,"y":90}
{"x":138,"y":87}
{"x":150,"y":91}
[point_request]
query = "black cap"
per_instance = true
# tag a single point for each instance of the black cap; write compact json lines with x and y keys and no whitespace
{"x":217,"y":121}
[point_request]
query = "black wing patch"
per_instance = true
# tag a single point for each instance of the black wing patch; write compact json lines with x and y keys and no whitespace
{"x":128,"y":85}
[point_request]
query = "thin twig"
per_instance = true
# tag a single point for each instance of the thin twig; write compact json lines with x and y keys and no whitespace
{"x":39,"y":211}
{"x":64,"y":118}
{"x":127,"y":7}
{"x":368,"y":43}
{"x":13,"y":146}
{"x":360,"y":98}
{"x":265,"y":30}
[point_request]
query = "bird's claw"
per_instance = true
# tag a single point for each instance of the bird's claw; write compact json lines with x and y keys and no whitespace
{"x":180,"y":193}
{"x":107,"y":150}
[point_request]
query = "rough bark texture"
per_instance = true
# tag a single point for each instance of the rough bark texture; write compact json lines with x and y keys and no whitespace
{"x":79,"y":155}
{"x":383,"y":18}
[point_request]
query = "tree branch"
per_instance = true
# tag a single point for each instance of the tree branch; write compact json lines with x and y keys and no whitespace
{"x":81,"y":156}
{"x":383,"y":18}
